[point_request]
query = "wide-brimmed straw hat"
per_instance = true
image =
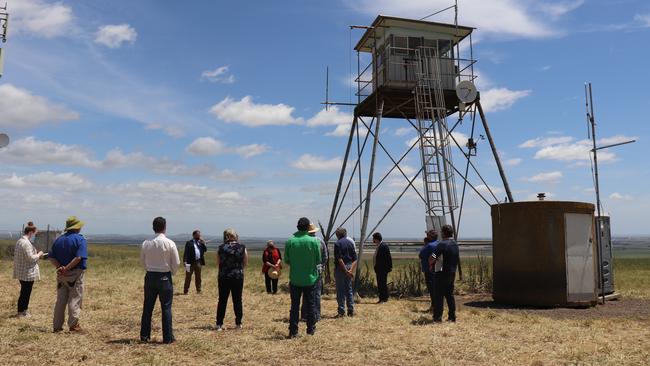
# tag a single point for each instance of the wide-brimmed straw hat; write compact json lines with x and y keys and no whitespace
{"x":73,"y":223}
{"x":312,"y":228}
{"x":274,"y":274}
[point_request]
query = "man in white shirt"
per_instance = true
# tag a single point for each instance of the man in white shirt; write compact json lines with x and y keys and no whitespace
{"x":160,"y":258}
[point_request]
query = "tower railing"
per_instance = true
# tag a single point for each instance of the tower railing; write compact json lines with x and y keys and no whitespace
{"x":396,"y":67}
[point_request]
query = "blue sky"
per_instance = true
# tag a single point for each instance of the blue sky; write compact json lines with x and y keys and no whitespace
{"x":208,"y":113}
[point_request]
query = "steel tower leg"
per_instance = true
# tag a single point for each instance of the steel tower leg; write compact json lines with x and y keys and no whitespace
{"x":366,"y":208}
{"x":494,"y":151}
{"x":330,"y":224}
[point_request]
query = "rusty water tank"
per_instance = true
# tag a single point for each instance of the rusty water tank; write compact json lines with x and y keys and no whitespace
{"x":544,"y":253}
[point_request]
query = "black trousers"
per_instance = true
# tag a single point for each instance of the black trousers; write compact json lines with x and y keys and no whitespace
{"x":235,"y":287}
{"x":382,"y":285}
{"x":271,"y":284}
{"x":25,"y":294}
{"x":307,"y":293}
{"x":430,"y":279}
{"x":157,"y":285}
{"x":444,"y":282}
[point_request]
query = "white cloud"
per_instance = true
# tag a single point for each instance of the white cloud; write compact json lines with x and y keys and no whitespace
{"x":549,"y":177}
{"x":62,"y":181}
{"x":620,"y":197}
{"x":170,"y":131}
{"x":21,"y":109}
{"x":113,"y":36}
{"x":248,"y":151}
{"x":558,"y":9}
{"x":40,"y":18}
{"x":250,"y":114}
{"x":154,"y":196}
{"x":643,"y":19}
{"x":30,"y":151}
{"x":311,"y":162}
{"x":545,"y":68}
{"x":497,"y":99}
{"x":219,"y":75}
{"x":505,"y":18}
{"x":206,"y":146}
{"x":340,"y":130}
{"x":546,"y":141}
{"x":512,"y":162}
{"x":485,"y":190}
{"x":563,"y":148}
{"x":402,"y":131}
{"x":211,"y":146}
{"x":330,"y":117}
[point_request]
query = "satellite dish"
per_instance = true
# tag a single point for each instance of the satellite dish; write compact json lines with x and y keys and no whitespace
{"x":4,"y":140}
{"x":466,"y":91}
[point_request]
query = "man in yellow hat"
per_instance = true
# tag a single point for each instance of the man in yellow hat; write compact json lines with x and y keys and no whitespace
{"x":69,"y":254}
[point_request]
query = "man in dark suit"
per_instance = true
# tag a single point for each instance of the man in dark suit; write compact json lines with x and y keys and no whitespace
{"x":383,"y":263}
{"x":193,"y":257}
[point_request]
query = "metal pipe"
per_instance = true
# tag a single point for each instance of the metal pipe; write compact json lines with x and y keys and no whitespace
{"x":338,"y":187}
{"x":494,"y":151}
{"x":590,"y":117}
{"x":366,"y":208}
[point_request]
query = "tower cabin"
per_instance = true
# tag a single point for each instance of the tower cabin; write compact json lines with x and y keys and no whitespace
{"x":402,"y":50}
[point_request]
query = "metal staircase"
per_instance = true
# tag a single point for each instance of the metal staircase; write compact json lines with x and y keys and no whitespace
{"x":435,"y":149}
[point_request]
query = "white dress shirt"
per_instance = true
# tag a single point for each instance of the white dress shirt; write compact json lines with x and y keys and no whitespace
{"x":197,"y":251}
{"x":159,"y":255}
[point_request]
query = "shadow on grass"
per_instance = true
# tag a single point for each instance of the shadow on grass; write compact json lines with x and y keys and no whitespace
{"x":275,"y":336}
{"x":123,"y":341}
{"x":204,"y":327}
{"x":487,"y":304}
{"x":282,"y":320}
{"x":34,"y":328}
{"x":423,"y":320}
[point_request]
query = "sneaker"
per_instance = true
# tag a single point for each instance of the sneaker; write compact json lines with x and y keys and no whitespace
{"x":219,"y":328}
{"x":311,"y":331}
{"x":340,"y":315}
{"x":437,"y":320}
{"x":350,"y":313}
{"x":144,"y":339}
{"x":239,"y":326}
{"x":76,"y":329}
{"x":292,"y":335}
{"x":20,"y":314}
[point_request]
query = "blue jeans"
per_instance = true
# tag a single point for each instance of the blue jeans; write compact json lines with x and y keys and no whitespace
{"x":344,"y":291}
{"x":157,"y":285}
{"x":318,"y":288}
{"x":307,"y":294}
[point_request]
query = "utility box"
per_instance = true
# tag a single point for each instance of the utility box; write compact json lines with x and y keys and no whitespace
{"x":544,"y":254}
{"x":607,"y":265}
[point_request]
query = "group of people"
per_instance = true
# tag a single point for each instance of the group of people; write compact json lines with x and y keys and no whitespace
{"x":439,"y":260}
{"x":304,"y":253}
{"x":69,"y":254}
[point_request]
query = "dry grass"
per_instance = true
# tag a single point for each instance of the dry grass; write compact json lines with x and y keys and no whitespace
{"x":396,"y":333}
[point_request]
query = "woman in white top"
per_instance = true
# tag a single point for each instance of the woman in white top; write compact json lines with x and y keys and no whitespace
{"x":26,"y":267}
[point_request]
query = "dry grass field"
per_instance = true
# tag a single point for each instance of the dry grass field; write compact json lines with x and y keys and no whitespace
{"x":396,"y":333}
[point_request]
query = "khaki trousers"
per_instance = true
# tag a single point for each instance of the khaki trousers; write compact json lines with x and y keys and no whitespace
{"x":69,"y":293}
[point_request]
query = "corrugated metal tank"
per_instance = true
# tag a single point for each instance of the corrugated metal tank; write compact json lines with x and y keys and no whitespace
{"x":544,"y":253}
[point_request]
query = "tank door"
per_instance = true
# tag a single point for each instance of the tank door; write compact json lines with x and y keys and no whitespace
{"x":580,"y":269}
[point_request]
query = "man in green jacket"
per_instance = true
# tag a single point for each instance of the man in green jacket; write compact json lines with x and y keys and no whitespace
{"x":302,"y":254}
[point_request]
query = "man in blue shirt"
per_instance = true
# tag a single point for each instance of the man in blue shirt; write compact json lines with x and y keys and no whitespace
{"x":69,"y":254}
{"x":430,"y":244}
{"x":345,"y":258}
{"x":447,"y":249}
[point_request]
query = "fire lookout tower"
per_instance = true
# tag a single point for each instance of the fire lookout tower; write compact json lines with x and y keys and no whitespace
{"x":418,"y":71}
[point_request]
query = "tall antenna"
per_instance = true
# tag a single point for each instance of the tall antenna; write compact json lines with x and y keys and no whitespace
{"x":4,"y":23}
{"x":327,"y":88}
